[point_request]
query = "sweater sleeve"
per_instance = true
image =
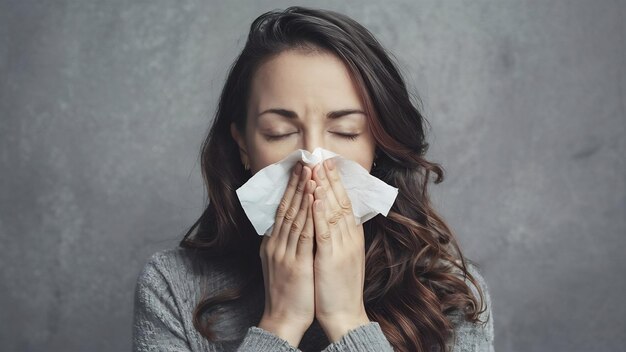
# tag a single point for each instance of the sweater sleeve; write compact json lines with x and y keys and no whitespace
{"x":258,"y":339}
{"x":368,"y":337}
{"x":157,"y":322}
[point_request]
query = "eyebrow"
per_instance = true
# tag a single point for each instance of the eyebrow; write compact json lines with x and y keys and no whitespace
{"x":331,"y":115}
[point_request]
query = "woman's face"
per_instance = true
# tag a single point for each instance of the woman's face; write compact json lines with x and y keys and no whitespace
{"x":304,"y":101}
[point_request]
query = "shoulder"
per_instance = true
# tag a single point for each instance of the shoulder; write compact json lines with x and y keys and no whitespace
{"x":167,"y":289}
{"x":480,"y":335}
{"x":183,"y":261}
{"x":167,"y":260}
{"x":164,"y":265}
{"x":183,"y":272}
{"x":477,"y":273}
{"x":161,"y":272}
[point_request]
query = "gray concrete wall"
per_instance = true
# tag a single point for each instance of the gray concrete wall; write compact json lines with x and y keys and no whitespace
{"x":104,"y":104}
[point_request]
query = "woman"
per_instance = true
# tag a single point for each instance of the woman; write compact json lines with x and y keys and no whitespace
{"x":311,"y":78}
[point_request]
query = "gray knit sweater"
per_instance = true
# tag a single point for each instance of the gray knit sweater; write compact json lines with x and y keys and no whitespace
{"x":174,"y":280}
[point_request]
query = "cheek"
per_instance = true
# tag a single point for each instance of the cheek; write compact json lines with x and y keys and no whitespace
{"x":358,"y":155}
{"x":363,"y":161}
{"x":265,"y":154}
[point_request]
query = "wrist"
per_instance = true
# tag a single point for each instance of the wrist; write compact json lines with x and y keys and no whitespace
{"x":336,"y":327}
{"x":287,"y":331}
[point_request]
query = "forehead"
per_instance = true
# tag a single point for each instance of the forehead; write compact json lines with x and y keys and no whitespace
{"x":303,"y":81}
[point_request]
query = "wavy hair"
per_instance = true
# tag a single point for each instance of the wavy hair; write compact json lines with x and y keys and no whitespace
{"x":414,"y":269}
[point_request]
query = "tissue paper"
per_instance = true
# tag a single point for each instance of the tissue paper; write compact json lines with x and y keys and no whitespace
{"x":261,"y":194}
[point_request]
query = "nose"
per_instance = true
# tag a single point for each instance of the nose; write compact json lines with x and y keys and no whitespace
{"x":311,"y":141}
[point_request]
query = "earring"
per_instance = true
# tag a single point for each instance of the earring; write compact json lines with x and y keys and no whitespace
{"x":375,"y":157}
{"x":246,"y":166}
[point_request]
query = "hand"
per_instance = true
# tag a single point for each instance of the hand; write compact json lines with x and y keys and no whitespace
{"x":339,"y":262}
{"x":287,"y":260}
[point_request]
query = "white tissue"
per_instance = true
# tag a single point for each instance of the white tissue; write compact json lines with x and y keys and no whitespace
{"x":261,"y":194}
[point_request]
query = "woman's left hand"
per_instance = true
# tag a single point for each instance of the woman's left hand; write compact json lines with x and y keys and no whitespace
{"x":339,"y":264}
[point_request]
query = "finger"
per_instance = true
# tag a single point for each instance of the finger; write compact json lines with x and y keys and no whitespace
{"x":339,"y":191}
{"x":286,"y":200}
{"x":335,"y":220}
{"x":319,"y":176}
{"x":306,"y":240}
{"x":292,"y":211}
{"x":263,"y":246}
{"x":334,"y":214}
{"x":341,"y":196}
{"x":323,"y":236}
{"x":299,"y":224}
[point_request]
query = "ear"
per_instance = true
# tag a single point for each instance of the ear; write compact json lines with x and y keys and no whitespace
{"x":243,"y":152}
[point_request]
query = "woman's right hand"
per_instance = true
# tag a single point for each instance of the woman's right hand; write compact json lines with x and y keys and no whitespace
{"x":287,"y":259}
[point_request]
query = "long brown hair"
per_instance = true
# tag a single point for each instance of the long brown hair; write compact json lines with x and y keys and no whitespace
{"x":414,"y":270}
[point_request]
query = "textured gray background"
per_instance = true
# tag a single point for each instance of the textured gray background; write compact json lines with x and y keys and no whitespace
{"x":103,"y":106}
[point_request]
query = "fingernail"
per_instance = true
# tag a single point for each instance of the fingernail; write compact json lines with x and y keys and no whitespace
{"x":320,"y":170}
{"x":330,"y":163}
{"x":298,"y":169}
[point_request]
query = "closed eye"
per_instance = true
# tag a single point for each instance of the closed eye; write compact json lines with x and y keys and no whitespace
{"x":274,"y":138}
{"x":343,"y":135}
{"x":347,"y":136}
